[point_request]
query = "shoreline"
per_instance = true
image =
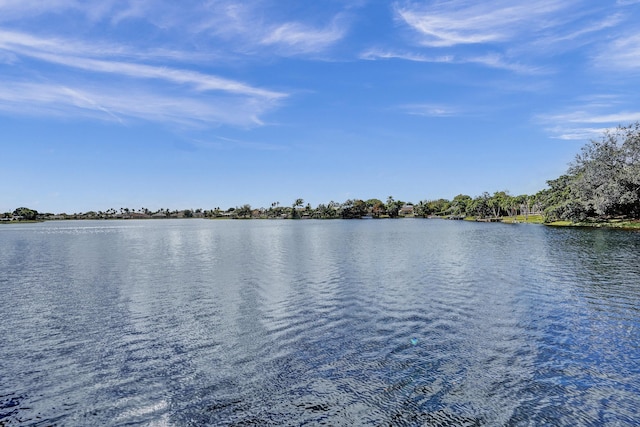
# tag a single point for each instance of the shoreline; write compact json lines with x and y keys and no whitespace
{"x":619,"y":224}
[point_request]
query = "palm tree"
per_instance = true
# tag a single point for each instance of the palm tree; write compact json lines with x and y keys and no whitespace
{"x":294,"y":210}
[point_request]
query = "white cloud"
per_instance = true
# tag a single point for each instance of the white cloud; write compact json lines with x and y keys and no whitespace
{"x":201,"y":82}
{"x":454,"y":22}
{"x":594,"y":118}
{"x":595,"y":115}
{"x":11,"y":10}
{"x":374,"y":54}
{"x":593,"y":27}
{"x":179,"y":95}
{"x":577,"y":134}
{"x":492,"y":60}
{"x":621,"y":117}
{"x":496,"y":60}
{"x":298,"y":38}
{"x":431,"y":110}
{"x":121,"y":104}
{"x":622,"y":53}
{"x":248,"y":27}
{"x":27,"y":44}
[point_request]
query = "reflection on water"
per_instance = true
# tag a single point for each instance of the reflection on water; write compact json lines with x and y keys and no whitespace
{"x":389,"y":322}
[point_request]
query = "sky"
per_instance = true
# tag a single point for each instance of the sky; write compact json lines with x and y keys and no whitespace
{"x":217,"y":103}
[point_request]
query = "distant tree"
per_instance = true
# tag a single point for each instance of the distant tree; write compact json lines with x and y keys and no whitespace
{"x":421,"y":209}
{"x":375,"y":207}
{"x":460,"y":205}
{"x":559,"y":201}
{"x":438,"y":207}
{"x":355,"y":208}
{"x":26,"y":213}
{"x":480,"y":206}
{"x":393,"y":207}
{"x":244,"y":211}
{"x":294,"y":208}
{"x":323,"y":211}
{"x":496,"y":203}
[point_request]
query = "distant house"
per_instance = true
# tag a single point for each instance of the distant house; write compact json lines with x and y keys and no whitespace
{"x":139,"y":215}
{"x":406,"y":210}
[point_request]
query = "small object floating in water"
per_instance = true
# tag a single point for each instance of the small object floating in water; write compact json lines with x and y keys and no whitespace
{"x":414,"y":341}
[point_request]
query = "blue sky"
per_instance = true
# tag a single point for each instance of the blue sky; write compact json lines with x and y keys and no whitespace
{"x":204,"y":104}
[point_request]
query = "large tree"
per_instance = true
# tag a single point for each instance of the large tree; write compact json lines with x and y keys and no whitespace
{"x":460,"y":205}
{"x":606,"y":174}
{"x":26,"y":213}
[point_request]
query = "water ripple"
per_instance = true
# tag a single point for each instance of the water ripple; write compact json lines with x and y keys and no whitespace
{"x":411,"y":322}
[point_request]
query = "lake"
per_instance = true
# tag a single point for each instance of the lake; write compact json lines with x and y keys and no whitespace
{"x":361,"y":322}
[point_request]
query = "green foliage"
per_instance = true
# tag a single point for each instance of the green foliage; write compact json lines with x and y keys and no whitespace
{"x":26,"y":213}
{"x":603,"y":182}
{"x":606,"y":174}
{"x":376,"y":207}
{"x":244,"y":211}
{"x":393,"y":207}
{"x":461,"y":205}
{"x":353,"y":209}
{"x":479,"y":206}
{"x":294,"y":208}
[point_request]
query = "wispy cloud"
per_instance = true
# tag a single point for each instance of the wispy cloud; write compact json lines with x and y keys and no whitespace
{"x":623,"y":53}
{"x":180,"y":95}
{"x":248,"y":28}
{"x":518,"y":37}
{"x":594,"y":115}
{"x":577,"y":134}
{"x":374,"y":54}
{"x":491,"y":60}
{"x":299,"y":38}
{"x":175,"y":79}
{"x":590,"y":118}
{"x":123,"y":104}
{"x":25,"y":9}
{"x":590,"y":27}
{"x":454,"y":22}
{"x":431,"y":110}
{"x":200,"y":81}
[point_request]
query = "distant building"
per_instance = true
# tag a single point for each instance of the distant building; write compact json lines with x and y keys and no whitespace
{"x":138,"y":215}
{"x":406,"y":210}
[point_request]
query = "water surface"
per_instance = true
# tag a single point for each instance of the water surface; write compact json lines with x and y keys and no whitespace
{"x":372,"y":322}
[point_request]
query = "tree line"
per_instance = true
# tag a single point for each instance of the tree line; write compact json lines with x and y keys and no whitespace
{"x":603,"y":182}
